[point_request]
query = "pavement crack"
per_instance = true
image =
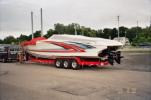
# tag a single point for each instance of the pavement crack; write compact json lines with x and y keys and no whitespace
{"x":67,"y":92}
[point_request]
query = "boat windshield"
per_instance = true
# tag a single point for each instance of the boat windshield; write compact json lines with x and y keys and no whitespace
{"x":81,"y":45}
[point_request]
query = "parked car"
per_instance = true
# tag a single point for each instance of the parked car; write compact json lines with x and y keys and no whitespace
{"x":145,"y":45}
{"x":8,"y":52}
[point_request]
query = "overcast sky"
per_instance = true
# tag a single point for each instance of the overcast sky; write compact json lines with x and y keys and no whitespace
{"x":97,"y":14}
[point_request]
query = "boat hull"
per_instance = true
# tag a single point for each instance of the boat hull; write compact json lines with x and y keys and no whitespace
{"x":62,"y":54}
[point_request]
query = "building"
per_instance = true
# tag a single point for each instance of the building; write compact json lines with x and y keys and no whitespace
{"x":123,"y":40}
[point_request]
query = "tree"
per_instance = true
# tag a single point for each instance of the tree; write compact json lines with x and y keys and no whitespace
{"x":1,"y":41}
{"x":131,"y":33}
{"x":50,"y":32}
{"x":70,"y":29}
{"x":144,"y":36}
{"x":10,"y":40}
{"x":136,"y":35}
{"x":36,"y":34}
{"x":114,"y":33}
{"x":22,"y":38}
{"x":123,"y":31}
{"x":59,"y":28}
{"x":107,"y":32}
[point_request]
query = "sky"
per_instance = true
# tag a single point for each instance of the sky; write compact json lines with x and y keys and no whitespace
{"x":96,"y":14}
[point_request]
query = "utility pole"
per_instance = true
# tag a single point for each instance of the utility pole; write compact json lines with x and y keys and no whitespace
{"x":75,"y":29}
{"x":41,"y":22}
{"x":82,"y":28}
{"x":32,"y":30}
{"x":137,"y":29}
{"x":137,"y":23}
{"x":150,"y":21}
{"x":118,"y":21}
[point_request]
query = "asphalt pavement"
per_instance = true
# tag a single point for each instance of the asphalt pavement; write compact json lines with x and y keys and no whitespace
{"x":129,"y":81}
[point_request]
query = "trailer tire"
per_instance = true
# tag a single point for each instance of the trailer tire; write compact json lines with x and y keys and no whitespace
{"x":58,"y":63}
{"x":74,"y":65}
{"x":66,"y":64}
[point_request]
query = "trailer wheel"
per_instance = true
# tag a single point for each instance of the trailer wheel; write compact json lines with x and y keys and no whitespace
{"x":66,"y":64}
{"x":58,"y":63}
{"x":75,"y":65}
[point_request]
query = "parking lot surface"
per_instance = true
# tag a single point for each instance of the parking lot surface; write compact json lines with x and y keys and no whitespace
{"x":45,"y":82}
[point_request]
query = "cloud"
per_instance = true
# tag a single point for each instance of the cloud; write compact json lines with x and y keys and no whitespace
{"x":15,"y":14}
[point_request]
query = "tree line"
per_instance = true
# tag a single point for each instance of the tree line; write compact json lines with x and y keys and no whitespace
{"x":135,"y":35}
